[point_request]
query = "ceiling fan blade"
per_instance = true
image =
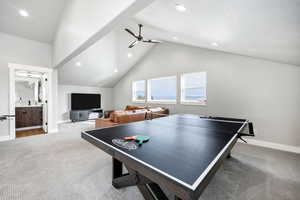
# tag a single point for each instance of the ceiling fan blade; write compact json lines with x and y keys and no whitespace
{"x":140,"y":30}
{"x":131,"y":33}
{"x":152,"y":41}
{"x":133,"y":44}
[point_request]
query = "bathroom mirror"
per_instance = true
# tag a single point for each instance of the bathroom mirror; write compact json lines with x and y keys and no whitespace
{"x":28,"y":91}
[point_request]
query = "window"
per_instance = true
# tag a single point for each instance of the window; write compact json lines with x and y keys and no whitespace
{"x":193,"y":88}
{"x":162,"y":90}
{"x":138,"y":91}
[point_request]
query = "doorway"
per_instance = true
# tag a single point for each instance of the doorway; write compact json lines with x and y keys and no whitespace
{"x":30,"y":103}
{"x":29,"y":100}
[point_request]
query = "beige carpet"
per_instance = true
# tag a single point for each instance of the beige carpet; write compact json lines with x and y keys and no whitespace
{"x":62,"y":166}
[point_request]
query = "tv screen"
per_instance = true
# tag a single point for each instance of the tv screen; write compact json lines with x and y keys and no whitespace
{"x":85,"y":101}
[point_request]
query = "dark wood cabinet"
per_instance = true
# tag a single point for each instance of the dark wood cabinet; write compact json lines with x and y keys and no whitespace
{"x":29,"y":116}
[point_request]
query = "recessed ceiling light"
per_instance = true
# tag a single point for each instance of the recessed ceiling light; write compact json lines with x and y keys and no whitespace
{"x":180,"y":7}
{"x":129,"y":55}
{"x":116,"y":70}
{"x":215,"y":44}
{"x":175,"y":38}
{"x":23,"y":13}
{"x":78,"y":64}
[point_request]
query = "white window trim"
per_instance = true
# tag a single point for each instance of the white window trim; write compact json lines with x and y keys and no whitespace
{"x":194,"y":103}
{"x":132,"y":92}
{"x":161,"y":102}
{"x":139,"y":101}
{"x":150,"y":101}
{"x":183,"y":101}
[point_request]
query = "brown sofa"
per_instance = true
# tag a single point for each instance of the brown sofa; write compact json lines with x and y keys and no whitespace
{"x":131,"y":114}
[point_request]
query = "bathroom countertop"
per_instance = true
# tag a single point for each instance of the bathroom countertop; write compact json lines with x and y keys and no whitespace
{"x":28,"y":106}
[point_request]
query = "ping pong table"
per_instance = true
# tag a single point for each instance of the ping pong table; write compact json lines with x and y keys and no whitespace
{"x":182,"y":155}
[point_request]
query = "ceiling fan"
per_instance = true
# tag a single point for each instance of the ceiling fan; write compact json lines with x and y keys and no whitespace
{"x":139,"y":37}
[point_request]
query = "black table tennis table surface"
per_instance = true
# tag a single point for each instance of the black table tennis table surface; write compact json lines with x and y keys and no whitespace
{"x":181,"y":147}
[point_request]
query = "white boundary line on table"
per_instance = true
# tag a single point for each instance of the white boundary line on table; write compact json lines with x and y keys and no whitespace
{"x":199,"y":179}
{"x":220,"y":120}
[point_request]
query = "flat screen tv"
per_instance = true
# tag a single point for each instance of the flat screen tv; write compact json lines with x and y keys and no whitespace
{"x":85,"y":101}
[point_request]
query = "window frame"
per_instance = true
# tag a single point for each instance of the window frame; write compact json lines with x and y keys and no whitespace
{"x":183,"y":101}
{"x":133,"y":92}
{"x":150,"y":101}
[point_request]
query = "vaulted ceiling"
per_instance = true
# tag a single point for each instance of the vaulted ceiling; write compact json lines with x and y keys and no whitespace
{"x":40,"y":25}
{"x":105,"y":62}
{"x":266,"y":29}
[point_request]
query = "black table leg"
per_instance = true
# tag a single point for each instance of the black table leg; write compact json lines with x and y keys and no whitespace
{"x":149,"y":189}
{"x":117,"y":168}
{"x":119,"y":179}
{"x":152,"y":191}
{"x":146,"y":192}
{"x":229,"y":155}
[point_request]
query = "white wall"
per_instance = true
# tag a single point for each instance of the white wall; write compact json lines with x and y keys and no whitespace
{"x":64,"y":92}
{"x":265,"y":92}
{"x":81,"y":20}
{"x":54,"y":88}
{"x":21,"y":51}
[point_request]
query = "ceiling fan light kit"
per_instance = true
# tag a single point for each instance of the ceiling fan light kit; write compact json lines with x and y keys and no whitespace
{"x":139,"y":37}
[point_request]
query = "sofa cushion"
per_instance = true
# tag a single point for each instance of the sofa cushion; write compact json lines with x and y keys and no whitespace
{"x":131,"y":116}
{"x":114,"y":115}
{"x":103,"y":123}
{"x":157,"y":109}
{"x":129,"y":107}
{"x":128,"y":116}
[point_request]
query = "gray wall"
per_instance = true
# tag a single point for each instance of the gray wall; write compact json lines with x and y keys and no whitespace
{"x":21,"y":51}
{"x":265,"y":92}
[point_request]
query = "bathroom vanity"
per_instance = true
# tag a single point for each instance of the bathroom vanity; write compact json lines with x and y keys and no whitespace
{"x":29,"y":116}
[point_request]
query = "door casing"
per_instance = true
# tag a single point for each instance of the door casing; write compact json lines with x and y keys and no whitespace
{"x":48,"y":73}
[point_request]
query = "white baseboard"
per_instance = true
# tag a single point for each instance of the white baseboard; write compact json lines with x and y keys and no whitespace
{"x":28,"y":128}
{"x":52,"y":131}
{"x":4,"y":138}
{"x":271,"y":145}
{"x":64,"y":121}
